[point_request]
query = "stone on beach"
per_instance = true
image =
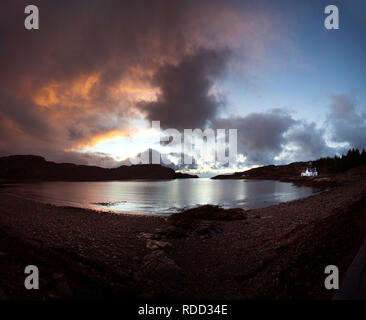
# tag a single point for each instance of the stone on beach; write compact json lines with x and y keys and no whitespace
{"x":155,"y":244}
{"x":208,"y":230}
{"x":209,"y":212}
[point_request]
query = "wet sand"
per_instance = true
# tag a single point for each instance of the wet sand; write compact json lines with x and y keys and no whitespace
{"x":279,"y":252}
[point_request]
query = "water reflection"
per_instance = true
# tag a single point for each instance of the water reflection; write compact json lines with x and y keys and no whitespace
{"x":162,"y":196}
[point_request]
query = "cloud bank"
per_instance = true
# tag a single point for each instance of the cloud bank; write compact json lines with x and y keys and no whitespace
{"x":96,"y":70}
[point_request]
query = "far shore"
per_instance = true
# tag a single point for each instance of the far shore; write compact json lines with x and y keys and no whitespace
{"x":278,"y":252}
{"x":322,"y":181}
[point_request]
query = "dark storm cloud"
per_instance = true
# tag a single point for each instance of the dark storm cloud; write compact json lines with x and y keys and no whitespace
{"x":24,"y":114}
{"x":346,"y":123}
{"x":185,"y":99}
{"x":79,"y":41}
{"x":94,"y":65}
{"x":276,"y":137}
{"x":307,"y":142}
{"x":79,"y":36}
{"x":260,"y":135}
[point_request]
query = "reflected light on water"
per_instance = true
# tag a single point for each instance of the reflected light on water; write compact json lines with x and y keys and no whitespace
{"x":162,"y":197}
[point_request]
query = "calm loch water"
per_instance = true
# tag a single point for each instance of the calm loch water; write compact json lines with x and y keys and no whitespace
{"x":162,"y":197}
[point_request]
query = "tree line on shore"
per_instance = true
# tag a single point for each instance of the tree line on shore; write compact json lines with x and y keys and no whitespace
{"x":352,"y":159}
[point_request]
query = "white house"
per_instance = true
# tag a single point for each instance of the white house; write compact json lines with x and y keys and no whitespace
{"x":309,"y":172}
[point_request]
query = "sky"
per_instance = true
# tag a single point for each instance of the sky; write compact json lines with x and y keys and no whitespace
{"x":86,"y":86}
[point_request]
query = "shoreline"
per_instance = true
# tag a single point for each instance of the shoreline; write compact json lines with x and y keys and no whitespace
{"x":321,"y":182}
{"x":282,"y":254}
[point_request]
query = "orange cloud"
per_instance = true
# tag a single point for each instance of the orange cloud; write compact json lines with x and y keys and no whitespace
{"x":89,"y":106}
{"x":135,"y":93}
{"x":81,"y":92}
{"x":76,"y":93}
{"x":103,"y":137}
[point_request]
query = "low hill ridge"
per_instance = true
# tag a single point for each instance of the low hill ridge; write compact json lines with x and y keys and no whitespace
{"x":37,"y":168}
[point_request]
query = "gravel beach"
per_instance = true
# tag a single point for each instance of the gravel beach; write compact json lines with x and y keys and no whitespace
{"x":278,"y":252}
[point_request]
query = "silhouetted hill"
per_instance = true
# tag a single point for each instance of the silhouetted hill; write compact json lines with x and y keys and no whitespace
{"x":35,"y":168}
{"x":338,"y":164}
{"x":270,"y":172}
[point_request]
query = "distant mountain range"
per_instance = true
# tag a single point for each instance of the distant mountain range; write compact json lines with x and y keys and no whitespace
{"x":36,"y":168}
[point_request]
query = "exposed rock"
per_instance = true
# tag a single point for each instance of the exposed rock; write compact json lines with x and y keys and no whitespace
{"x":172,"y":232}
{"x":108,"y":204}
{"x":206,"y":231}
{"x":207,"y":212}
{"x":157,"y":261}
{"x":155,"y":244}
{"x":158,"y":268}
{"x":145,"y":235}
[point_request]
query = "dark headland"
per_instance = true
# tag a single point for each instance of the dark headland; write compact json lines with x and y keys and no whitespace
{"x":331,"y":171}
{"x":36,"y":168}
{"x":285,"y":173}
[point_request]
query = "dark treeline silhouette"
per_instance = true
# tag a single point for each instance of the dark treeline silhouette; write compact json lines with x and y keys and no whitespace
{"x":353,"y":158}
